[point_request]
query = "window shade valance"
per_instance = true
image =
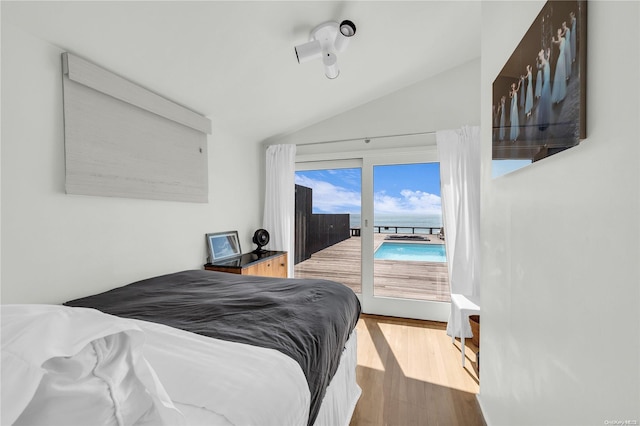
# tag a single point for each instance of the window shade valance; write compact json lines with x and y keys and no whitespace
{"x":123,"y":140}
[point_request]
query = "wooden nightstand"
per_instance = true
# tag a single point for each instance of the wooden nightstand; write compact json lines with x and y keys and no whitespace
{"x":266,"y":264}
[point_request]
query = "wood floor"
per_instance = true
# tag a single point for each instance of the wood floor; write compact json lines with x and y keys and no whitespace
{"x":393,"y":278}
{"x":411,"y":374}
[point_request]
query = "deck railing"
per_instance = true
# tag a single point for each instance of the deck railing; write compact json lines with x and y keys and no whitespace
{"x":379,"y":229}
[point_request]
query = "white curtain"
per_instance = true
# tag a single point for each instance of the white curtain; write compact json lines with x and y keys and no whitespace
{"x":459,"y":156}
{"x":279,"y":202}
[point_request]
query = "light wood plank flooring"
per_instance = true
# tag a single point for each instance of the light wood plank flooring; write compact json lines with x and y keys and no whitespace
{"x":393,"y":278}
{"x":410,"y":374}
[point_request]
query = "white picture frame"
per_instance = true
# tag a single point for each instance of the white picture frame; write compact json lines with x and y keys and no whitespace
{"x":223,"y":245}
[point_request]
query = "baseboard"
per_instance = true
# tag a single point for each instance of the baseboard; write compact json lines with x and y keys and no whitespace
{"x":482,"y":410}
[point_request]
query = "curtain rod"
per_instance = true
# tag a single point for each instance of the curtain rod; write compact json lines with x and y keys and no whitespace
{"x":367,"y":138}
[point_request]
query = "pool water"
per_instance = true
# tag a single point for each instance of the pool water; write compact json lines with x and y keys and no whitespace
{"x":411,"y":251}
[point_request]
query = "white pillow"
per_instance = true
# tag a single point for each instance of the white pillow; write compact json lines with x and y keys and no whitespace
{"x":77,"y":366}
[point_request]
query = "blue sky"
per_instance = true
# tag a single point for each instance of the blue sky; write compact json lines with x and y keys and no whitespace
{"x":502,"y":167}
{"x":398,"y":189}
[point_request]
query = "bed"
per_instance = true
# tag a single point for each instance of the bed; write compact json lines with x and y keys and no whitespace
{"x":212,"y":348}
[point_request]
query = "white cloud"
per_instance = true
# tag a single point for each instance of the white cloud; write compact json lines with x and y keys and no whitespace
{"x":329,"y":198}
{"x":409,"y":202}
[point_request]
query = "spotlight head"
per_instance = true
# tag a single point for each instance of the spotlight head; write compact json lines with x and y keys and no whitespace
{"x":330,"y":62}
{"x":347,"y":28}
{"x":327,"y":39}
{"x":308,"y":51}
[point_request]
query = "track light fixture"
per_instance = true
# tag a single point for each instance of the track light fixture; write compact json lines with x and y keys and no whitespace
{"x":325,"y":41}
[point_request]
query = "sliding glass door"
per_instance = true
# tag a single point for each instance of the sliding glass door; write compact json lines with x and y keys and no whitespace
{"x":375,"y":227}
{"x":402,"y":216}
{"x":409,"y":255}
{"x":328,"y":222}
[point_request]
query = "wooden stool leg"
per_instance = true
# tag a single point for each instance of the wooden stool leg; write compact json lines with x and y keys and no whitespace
{"x":461,"y":337}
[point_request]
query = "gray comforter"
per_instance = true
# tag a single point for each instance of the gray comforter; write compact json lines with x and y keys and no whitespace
{"x":308,"y":320}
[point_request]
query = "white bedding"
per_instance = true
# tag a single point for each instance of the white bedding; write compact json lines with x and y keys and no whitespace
{"x":336,"y":409}
{"x":180,"y":377}
{"x":245,"y":385}
{"x":76,"y":366}
{"x":343,"y":392}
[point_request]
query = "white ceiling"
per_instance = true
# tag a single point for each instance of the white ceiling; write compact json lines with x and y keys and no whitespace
{"x":235,"y":63}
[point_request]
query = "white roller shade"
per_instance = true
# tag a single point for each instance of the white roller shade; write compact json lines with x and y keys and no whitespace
{"x":122,"y":140}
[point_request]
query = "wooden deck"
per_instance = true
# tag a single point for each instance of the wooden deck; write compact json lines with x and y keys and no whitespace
{"x":392,"y":278}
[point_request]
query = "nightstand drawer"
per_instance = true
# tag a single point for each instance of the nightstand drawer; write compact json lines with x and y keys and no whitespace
{"x":267,"y":264}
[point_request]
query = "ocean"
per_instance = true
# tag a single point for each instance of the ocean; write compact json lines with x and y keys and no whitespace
{"x":391,"y":220}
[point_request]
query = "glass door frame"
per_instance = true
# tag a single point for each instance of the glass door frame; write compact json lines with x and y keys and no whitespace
{"x":331,"y":164}
{"x":380,"y":305}
{"x":371,"y":304}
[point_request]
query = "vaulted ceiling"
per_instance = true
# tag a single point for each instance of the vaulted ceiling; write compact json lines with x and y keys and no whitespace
{"x":234,"y":61}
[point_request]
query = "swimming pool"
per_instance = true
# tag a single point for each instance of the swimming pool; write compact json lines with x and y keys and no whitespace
{"x":411,"y":251}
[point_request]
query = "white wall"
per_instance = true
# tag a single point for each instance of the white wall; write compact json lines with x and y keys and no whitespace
{"x":445,"y":101}
{"x":56,"y":246}
{"x":560,"y":280}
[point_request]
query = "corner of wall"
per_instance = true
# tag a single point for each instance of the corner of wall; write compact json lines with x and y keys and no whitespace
{"x":556,"y":288}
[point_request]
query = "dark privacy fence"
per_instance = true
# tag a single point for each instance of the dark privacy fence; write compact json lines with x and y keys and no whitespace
{"x":314,"y":232}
